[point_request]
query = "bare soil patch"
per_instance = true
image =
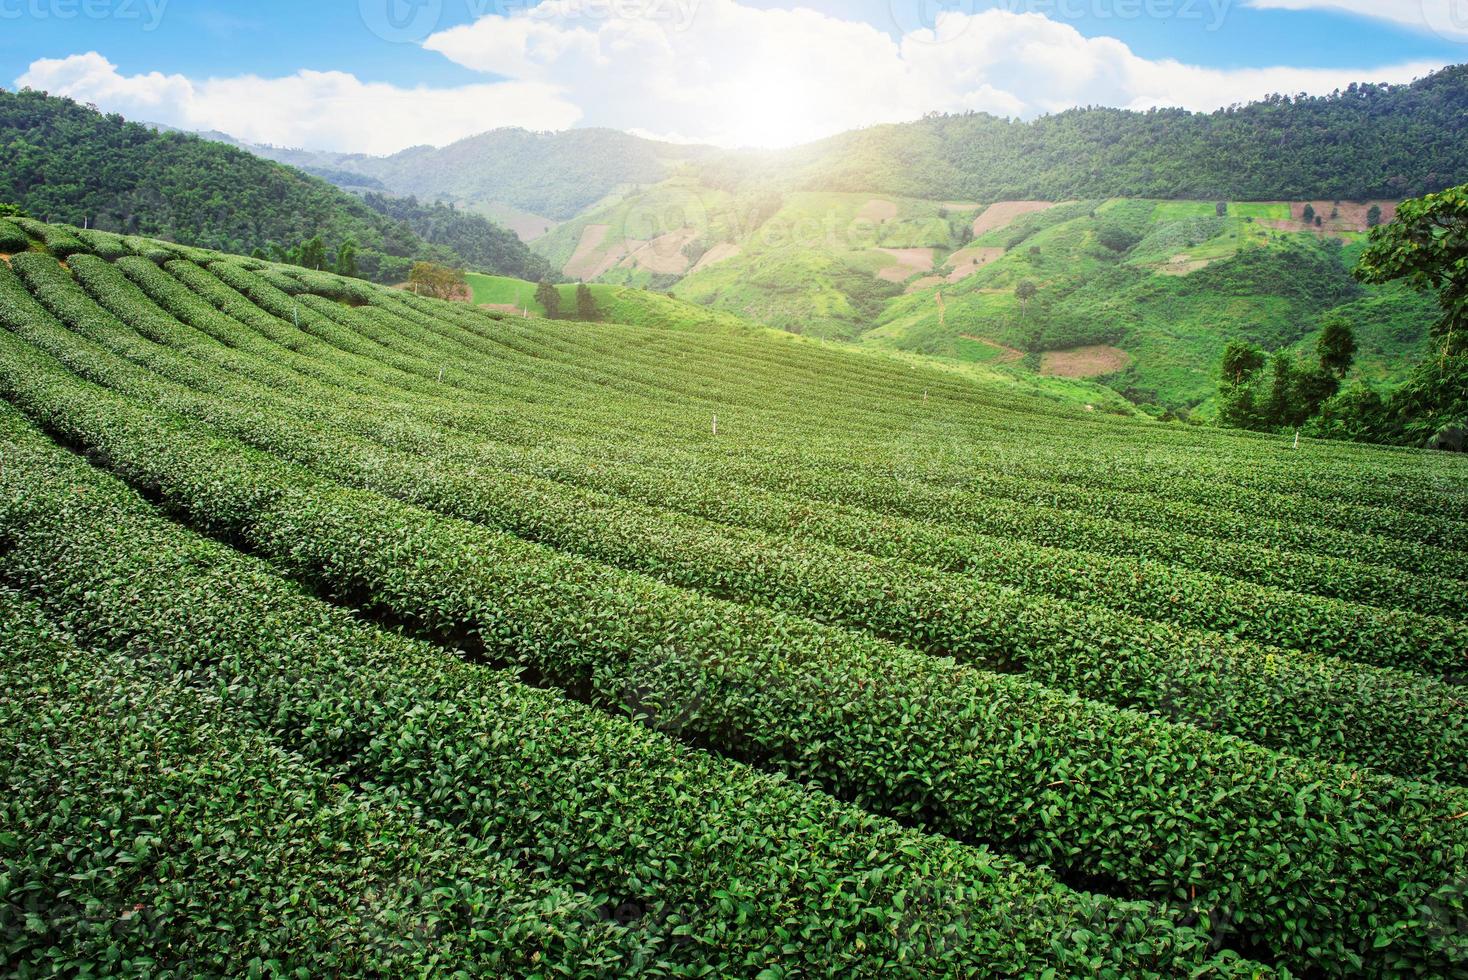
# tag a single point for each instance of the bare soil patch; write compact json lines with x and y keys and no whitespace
{"x":1182,"y":265}
{"x":719,"y":253}
{"x":967,"y":261}
{"x":590,"y":260}
{"x":1334,"y":218}
{"x":927,"y":282}
{"x":877,"y":211}
{"x":910,"y":261}
{"x":1084,"y":362}
{"x":1002,"y":214}
{"x":663,"y":255}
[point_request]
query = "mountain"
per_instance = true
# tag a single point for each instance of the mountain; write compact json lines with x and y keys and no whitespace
{"x":1368,"y":141}
{"x":554,"y":175}
{"x":70,"y":163}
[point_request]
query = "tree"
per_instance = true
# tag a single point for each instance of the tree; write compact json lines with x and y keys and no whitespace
{"x":437,"y":281}
{"x":1221,"y":209}
{"x":586,"y":310}
{"x":312,"y":254}
{"x":13,"y":211}
{"x":549,"y":298}
{"x":1373,"y":217}
{"x":346,"y":259}
{"x":1241,"y":360}
{"x":1025,"y":292}
{"x":1336,"y":347}
{"x":1309,"y":214}
{"x":1427,"y":248}
{"x":1117,"y":237}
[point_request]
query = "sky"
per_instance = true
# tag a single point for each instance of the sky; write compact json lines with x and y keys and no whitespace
{"x":377,"y":76}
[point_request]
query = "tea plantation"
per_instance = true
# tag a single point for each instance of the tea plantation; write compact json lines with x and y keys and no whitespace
{"x":345,"y":632}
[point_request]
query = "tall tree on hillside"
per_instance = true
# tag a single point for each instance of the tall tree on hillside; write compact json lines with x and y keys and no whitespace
{"x":346,"y":259}
{"x":1221,"y":209}
{"x":313,"y":254}
{"x":549,"y":298}
{"x":1337,"y":346}
{"x":1309,"y":214}
{"x":586,"y":310}
{"x":1373,"y":217}
{"x":1025,"y":292}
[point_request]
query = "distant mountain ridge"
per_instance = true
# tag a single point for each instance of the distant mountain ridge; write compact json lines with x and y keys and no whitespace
{"x":556,"y":175}
{"x":69,"y":163}
{"x":1365,"y":142}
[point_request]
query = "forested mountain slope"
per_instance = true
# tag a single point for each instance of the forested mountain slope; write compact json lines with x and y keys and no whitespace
{"x":1369,"y":141}
{"x":69,"y":163}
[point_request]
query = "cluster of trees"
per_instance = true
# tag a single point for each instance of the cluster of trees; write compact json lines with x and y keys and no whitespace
{"x":477,"y":242}
{"x":69,"y":163}
{"x":1426,"y":248}
{"x":1365,"y":142}
{"x":313,"y":253}
{"x":1292,"y":391}
{"x":437,"y":281}
{"x":549,"y":299}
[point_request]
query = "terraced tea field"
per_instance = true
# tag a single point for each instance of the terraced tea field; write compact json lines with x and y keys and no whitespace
{"x":351,"y":633}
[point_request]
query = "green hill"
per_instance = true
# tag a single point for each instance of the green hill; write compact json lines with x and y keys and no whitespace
{"x":1142,"y":295}
{"x":71,"y":164}
{"x":550,"y":647}
{"x":1368,"y":141}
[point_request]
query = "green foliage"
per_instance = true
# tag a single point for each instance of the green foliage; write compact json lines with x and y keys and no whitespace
{"x":548,"y":298}
{"x":586,"y":308}
{"x":897,"y":607}
{"x":1387,"y":142}
{"x":479,"y":243}
{"x":67,"y":162}
{"x":1426,"y":248}
{"x":346,"y":259}
{"x":12,"y":237}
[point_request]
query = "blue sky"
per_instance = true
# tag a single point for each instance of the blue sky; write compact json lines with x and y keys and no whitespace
{"x":728,"y":63}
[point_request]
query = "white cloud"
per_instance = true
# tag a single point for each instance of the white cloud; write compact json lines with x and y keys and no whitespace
{"x":707,"y":70}
{"x":736,"y":75}
{"x":1446,"y":18}
{"x":312,"y":109}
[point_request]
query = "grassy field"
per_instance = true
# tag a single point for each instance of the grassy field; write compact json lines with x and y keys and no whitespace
{"x":348,"y":632}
